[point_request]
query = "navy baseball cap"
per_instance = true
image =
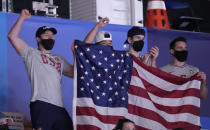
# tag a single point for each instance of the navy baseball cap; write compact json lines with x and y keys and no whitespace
{"x":42,"y":29}
{"x":135,"y":31}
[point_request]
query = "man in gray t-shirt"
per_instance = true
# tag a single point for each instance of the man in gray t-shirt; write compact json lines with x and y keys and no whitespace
{"x":178,"y":67}
{"x":45,"y":72}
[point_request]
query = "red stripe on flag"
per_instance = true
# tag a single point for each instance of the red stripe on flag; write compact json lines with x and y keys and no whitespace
{"x":163,"y":75}
{"x":146,"y":113}
{"x":163,"y":93}
{"x":88,"y":111}
{"x":168,"y":109}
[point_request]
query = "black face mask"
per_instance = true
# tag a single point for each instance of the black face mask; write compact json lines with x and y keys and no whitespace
{"x":47,"y":43}
{"x":181,"y":55}
{"x":4,"y":127}
{"x":138,"y":45}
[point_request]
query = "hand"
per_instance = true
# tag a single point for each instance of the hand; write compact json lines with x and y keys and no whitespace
{"x":202,"y":75}
{"x":73,"y":48}
{"x":154,"y":52}
{"x":25,"y":14}
{"x":103,"y":22}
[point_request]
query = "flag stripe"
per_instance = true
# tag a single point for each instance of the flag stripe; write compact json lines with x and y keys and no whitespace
{"x":88,"y":111}
{"x":136,"y":90}
{"x":93,"y":121}
{"x":189,"y":108}
{"x":162,"y":93}
{"x":146,"y":113}
{"x":156,"y":75}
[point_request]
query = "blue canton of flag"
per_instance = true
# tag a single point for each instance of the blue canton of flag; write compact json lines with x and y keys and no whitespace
{"x":103,"y":74}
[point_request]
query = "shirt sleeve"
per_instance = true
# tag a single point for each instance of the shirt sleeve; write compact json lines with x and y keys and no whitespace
{"x":26,"y":53}
{"x":66,"y":65}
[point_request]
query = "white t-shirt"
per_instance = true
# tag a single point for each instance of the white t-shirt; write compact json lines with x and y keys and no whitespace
{"x":45,"y":75}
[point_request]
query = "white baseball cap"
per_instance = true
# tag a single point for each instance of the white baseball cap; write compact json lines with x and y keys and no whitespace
{"x":103,"y":35}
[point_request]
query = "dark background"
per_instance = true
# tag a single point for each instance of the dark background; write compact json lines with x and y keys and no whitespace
{"x":198,"y":8}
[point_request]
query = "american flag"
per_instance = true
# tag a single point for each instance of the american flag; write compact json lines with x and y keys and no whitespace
{"x":111,"y":85}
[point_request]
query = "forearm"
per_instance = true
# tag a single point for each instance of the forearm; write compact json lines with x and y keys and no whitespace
{"x":91,"y":35}
{"x":153,"y":63}
{"x":203,"y":90}
{"x":15,"y":31}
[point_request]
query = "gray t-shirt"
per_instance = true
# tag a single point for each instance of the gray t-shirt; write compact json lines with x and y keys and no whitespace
{"x":185,"y":71}
{"x":45,"y":74}
{"x":149,"y":62}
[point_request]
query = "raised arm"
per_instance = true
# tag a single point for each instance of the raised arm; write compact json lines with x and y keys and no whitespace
{"x":13,"y":35}
{"x":91,"y":35}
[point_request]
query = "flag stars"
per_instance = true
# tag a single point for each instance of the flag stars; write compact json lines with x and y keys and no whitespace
{"x":123,"y":87}
{"x":87,"y":61}
{"x":119,"y":77}
{"x":106,"y":70}
{"x":86,"y":73}
{"x":82,"y":77}
{"x":122,"y":55}
{"x":98,"y":97}
{"x":116,"y":93}
{"x":126,"y":81}
{"x":94,"y":56}
{"x":104,"y":81}
{"x":117,"y":60}
{"x":99,"y":63}
{"x":91,"y":91}
{"x":127,"y":54}
{"x":93,"y":68}
{"x":110,"y":88}
{"x":111,"y":65}
{"x":105,"y":58}
{"x":97,"y":87}
{"x":99,"y":75}
{"x":113,"y":54}
{"x":76,"y":46}
{"x":81,"y":66}
{"x":91,"y":80}
{"x":124,"y":71}
{"x":110,"y":99}
{"x":88,"y":49}
{"x":103,"y":94}
{"x":82,"y":89}
{"x":81,"y":54}
{"x":115,"y":83}
{"x":88,"y":84}
{"x":100,"y":52}
{"x":123,"y":98}
{"x":110,"y":76}
{"x":122,"y":61}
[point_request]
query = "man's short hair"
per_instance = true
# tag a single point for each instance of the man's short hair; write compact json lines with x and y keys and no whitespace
{"x":177,"y":39}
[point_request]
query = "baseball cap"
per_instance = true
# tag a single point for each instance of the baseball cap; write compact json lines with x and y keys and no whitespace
{"x":42,"y":29}
{"x":103,"y":35}
{"x":135,"y":31}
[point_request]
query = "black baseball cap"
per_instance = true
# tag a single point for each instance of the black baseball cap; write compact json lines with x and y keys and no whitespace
{"x":135,"y":31}
{"x":42,"y":29}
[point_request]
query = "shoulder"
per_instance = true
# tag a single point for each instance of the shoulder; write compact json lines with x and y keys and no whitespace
{"x":165,"y":67}
{"x":191,"y":67}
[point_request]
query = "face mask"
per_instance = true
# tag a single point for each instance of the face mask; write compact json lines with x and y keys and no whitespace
{"x":138,"y":45}
{"x":4,"y":127}
{"x":181,"y":55}
{"x":48,"y":43}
